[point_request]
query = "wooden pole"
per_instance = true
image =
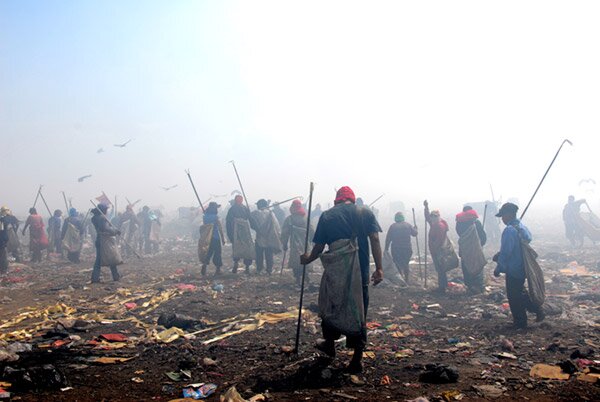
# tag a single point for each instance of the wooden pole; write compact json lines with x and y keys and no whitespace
{"x":425,"y":273}
{"x":544,"y":177}
{"x":240,"y":183}
{"x":283,"y":261}
{"x":484,"y":215}
{"x":283,"y":202}
{"x":194,"y":188}
{"x":66,"y":203}
{"x":417,"y":240}
{"x":37,"y":196}
{"x":45,"y":203}
{"x":377,"y":199}
{"x":310,"y":197}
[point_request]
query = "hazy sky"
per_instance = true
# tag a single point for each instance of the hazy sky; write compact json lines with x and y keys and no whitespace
{"x":413,"y":99}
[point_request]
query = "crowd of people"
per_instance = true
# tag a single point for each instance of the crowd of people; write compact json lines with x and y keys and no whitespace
{"x":345,"y":239}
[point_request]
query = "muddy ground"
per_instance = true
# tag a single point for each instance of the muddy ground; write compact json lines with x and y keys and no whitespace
{"x":467,"y":332}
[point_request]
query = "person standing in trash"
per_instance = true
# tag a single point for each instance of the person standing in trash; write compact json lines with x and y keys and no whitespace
{"x":129,"y":225}
{"x":153,"y":239}
{"x":54,"y":232}
{"x":264,"y":223}
{"x":38,"y":240}
{"x":146,"y":224}
{"x":3,"y":245}
{"x":12,"y":228}
{"x":75,"y":220}
{"x":237,"y":211}
{"x":293,"y":235}
{"x":510,"y":262}
{"x":472,"y":239}
{"x":399,"y":238}
{"x":438,"y":234}
{"x":347,"y":221}
{"x":102,"y":227}
{"x":211,"y":217}
{"x":571,"y":218}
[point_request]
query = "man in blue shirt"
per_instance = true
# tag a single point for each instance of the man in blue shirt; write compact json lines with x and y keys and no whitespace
{"x":510,"y":262}
{"x":346,"y":221}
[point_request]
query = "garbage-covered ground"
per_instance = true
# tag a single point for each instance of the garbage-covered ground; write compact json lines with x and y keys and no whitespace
{"x":65,"y":339}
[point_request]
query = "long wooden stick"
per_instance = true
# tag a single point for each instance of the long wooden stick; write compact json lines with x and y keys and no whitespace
{"x":194,"y":188}
{"x":283,"y":202}
{"x":425,"y":273}
{"x":240,"y":183}
{"x":45,"y":203}
{"x":66,"y":203}
{"x":283,"y":261}
{"x":544,"y":177}
{"x":417,"y":240}
{"x":377,"y":199}
{"x":124,"y":240}
{"x":484,"y":215}
{"x":310,"y":197}
{"x":37,"y":196}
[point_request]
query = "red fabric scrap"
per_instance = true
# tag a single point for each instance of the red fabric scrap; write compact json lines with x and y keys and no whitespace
{"x":114,"y":337}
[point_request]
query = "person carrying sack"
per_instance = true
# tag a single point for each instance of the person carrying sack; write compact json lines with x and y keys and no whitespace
{"x":442,"y":251}
{"x":510,"y":262}
{"x":107,"y":251}
{"x":211,"y":239}
{"x":343,"y":295}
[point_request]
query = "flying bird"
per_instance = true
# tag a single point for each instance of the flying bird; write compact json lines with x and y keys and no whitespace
{"x":82,"y":178}
{"x":168,"y":188}
{"x":123,"y":144}
{"x":100,"y":150}
{"x":592,"y":181}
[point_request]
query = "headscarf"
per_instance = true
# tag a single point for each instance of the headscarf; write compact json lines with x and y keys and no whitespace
{"x":435,"y":212}
{"x":239,"y":200}
{"x":399,"y":217}
{"x":72,"y":212}
{"x":345,"y":194}
{"x":262,"y":203}
{"x":465,"y":216}
{"x":4,"y":211}
{"x":297,"y":209}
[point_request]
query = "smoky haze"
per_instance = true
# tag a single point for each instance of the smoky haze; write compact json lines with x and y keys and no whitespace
{"x":431,"y":100}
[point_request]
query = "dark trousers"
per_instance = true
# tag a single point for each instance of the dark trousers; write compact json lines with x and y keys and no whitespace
{"x":73,"y":256}
{"x":264,"y":254}
{"x":441,"y":274}
{"x":247,"y":263}
{"x":519,"y":301}
{"x":401,"y":257}
{"x":97,"y":268}
{"x":3,"y":260}
{"x":36,"y":254}
{"x":214,"y":252}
